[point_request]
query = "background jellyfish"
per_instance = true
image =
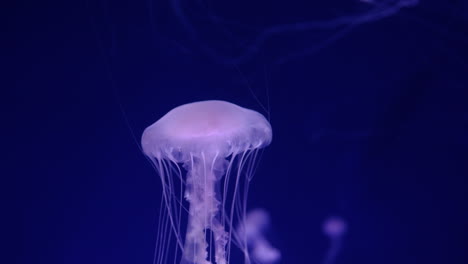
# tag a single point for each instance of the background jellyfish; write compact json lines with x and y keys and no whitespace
{"x":214,"y":141}
{"x":254,"y":229}
{"x":334,"y":228}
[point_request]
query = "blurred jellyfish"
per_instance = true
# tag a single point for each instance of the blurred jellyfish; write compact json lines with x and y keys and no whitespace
{"x":256,"y":224}
{"x":217,"y":144}
{"x":334,"y":228}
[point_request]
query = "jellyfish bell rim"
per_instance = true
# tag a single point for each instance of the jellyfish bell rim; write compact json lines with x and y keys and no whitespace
{"x":209,"y":128}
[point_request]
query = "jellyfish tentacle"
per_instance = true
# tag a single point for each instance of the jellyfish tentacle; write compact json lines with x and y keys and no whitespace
{"x":204,"y":212}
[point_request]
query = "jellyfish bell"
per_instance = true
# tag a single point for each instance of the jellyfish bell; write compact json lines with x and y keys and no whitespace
{"x":209,"y":138}
{"x":334,"y":227}
{"x":209,"y":127}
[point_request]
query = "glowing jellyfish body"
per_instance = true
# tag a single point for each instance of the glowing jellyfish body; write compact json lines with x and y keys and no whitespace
{"x":254,"y":227}
{"x":334,"y":228}
{"x":217,"y":143}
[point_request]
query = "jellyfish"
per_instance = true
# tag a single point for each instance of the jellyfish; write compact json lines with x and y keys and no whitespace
{"x":334,"y":228}
{"x":205,"y":154}
{"x":254,"y":228}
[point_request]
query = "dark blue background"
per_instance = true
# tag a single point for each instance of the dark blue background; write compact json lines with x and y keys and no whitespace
{"x":371,"y":125}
